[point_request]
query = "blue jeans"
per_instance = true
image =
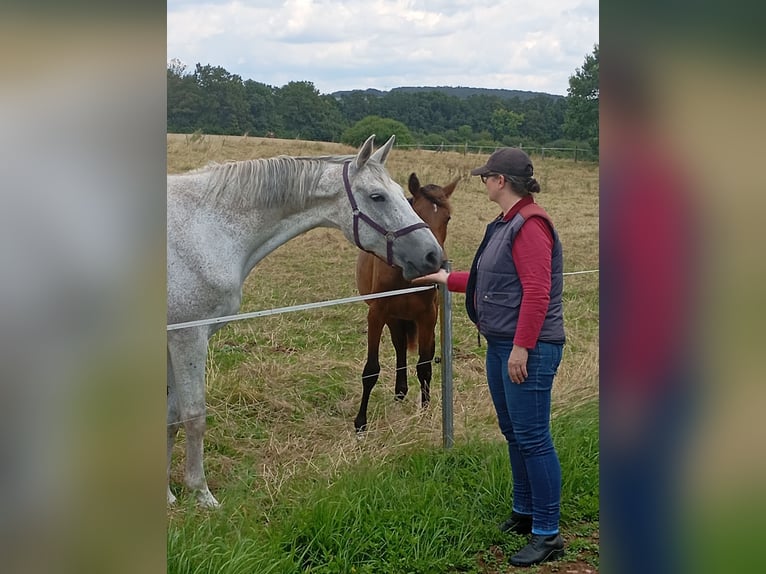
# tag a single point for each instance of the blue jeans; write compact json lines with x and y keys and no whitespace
{"x":642,"y":486}
{"x":523,"y":413}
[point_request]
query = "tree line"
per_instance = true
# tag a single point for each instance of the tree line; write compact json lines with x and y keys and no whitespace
{"x":212,"y":100}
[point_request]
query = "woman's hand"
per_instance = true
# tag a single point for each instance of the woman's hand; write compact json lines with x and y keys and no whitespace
{"x":439,"y":277}
{"x":517,"y":364}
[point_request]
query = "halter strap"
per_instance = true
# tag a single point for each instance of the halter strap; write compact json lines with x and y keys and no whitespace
{"x":389,"y":235}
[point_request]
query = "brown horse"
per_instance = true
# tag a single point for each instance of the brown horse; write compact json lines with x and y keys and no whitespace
{"x":411,"y":318}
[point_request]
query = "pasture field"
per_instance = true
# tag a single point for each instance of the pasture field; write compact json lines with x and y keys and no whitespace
{"x":299,"y":492}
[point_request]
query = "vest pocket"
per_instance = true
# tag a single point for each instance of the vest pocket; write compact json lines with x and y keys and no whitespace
{"x":510,"y":300}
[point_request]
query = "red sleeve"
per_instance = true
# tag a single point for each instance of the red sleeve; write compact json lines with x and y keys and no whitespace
{"x":532,"y":253}
{"x":457,"y":281}
{"x":652,"y":288}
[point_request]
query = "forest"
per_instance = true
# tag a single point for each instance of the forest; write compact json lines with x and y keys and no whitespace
{"x":211,"y":100}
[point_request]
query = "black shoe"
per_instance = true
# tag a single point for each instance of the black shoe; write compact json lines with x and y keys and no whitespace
{"x":541,"y":548}
{"x":517,"y":524}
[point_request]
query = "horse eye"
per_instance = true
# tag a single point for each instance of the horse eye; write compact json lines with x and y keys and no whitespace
{"x":377,"y":197}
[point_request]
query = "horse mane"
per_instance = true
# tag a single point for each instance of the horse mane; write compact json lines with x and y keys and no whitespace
{"x":266,"y":183}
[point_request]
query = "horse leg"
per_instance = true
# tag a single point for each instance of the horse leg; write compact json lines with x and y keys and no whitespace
{"x":372,"y":366}
{"x":173,"y":421}
{"x":188,"y":352}
{"x":426,"y":350}
{"x":398,"y":329}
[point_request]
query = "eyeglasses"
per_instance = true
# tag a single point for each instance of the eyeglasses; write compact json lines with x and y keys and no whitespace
{"x":484,"y":178}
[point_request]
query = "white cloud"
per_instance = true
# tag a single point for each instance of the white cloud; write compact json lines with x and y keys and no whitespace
{"x":344,"y":44}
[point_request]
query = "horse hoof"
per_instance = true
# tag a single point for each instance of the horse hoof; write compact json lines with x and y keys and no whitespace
{"x":206,"y":500}
{"x":360,"y":435}
{"x":399,"y":397}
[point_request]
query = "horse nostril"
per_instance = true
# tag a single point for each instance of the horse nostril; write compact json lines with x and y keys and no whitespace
{"x":432,"y":258}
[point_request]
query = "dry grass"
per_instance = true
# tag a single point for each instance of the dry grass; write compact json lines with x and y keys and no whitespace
{"x":283,"y":390}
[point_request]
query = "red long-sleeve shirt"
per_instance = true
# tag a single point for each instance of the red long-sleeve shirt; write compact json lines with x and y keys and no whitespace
{"x":531,"y":251}
{"x":650,"y":261}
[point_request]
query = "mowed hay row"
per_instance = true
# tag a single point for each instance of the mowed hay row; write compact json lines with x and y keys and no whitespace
{"x":283,"y":390}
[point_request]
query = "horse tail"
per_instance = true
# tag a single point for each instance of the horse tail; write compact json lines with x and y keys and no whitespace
{"x":411,"y":328}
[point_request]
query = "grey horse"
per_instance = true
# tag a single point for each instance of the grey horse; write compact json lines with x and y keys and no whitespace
{"x":223,"y":219}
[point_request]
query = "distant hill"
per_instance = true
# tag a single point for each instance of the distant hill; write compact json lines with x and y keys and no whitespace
{"x":459,"y":92}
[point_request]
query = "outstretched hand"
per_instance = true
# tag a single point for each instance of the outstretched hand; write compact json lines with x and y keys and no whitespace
{"x":439,"y":277}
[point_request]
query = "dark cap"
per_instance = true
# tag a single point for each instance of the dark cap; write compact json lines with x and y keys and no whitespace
{"x":507,"y":161}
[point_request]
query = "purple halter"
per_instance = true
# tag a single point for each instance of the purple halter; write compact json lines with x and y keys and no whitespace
{"x":389,"y":235}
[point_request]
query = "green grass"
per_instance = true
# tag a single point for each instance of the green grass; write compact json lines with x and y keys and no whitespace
{"x":425,"y":511}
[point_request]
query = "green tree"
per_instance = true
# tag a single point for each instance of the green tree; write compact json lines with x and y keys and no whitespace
{"x":184,"y":100}
{"x":543,"y":119}
{"x":307,"y":115}
{"x":262,"y":105}
{"x":505,"y":125}
{"x":357,"y":105}
{"x":581,"y":118}
{"x":383,"y":128}
{"x":405,"y":108}
{"x":465,"y":133}
{"x":224,"y":108}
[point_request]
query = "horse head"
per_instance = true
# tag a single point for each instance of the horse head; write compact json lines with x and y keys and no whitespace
{"x":383,"y":222}
{"x":432,"y":205}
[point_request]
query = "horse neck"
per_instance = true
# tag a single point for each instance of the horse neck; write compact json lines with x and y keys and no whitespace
{"x":276,"y":231}
{"x":374,"y":275}
{"x":289,"y":208}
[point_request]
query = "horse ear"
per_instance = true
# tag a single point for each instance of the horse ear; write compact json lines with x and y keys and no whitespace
{"x":383,"y":150}
{"x":365,"y":152}
{"x":414,"y":184}
{"x":450,"y":188}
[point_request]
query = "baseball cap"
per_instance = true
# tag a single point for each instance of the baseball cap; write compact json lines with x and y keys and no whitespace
{"x":507,"y":161}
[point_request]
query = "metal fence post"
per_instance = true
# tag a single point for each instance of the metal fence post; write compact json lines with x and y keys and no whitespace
{"x":448,"y":439}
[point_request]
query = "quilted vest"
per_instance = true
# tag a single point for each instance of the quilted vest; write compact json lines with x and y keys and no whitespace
{"x":493,"y":292}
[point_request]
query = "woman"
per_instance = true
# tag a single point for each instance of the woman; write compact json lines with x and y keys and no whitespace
{"x":513,"y":295}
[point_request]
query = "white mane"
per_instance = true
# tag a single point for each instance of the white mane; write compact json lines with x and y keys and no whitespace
{"x":266,"y":183}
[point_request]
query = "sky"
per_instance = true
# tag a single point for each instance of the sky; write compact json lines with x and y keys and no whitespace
{"x":382,"y":44}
